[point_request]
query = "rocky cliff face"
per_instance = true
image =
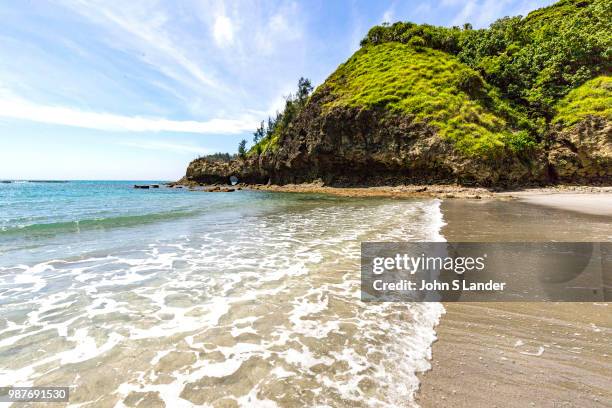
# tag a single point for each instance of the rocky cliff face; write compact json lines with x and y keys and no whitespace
{"x":350,"y":146}
{"x":582,"y":153}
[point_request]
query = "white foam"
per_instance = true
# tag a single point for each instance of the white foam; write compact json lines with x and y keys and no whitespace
{"x":304,"y":258}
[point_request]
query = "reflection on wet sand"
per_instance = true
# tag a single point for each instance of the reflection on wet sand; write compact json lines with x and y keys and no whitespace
{"x":521,"y":354}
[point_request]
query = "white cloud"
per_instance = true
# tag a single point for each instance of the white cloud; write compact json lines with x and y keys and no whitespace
{"x":387,"y":16}
{"x":17,"y":108}
{"x":223,"y":31}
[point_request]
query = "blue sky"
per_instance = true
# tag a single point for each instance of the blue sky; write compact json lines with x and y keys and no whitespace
{"x":135,"y":90}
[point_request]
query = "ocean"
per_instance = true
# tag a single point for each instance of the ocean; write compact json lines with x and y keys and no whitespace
{"x":184,"y":298}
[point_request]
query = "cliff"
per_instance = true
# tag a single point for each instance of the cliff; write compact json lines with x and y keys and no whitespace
{"x":527,"y":101}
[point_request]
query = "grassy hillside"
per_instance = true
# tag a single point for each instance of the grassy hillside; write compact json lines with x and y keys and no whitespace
{"x":432,"y":86}
{"x":592,"y":98}
{"x":533,"y":61}
{"x":486,"y":90}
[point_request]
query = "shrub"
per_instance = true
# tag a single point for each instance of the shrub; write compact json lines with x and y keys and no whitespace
{"x":417,"y":42}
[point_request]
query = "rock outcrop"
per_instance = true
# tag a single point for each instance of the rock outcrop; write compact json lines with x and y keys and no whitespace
{"x":582,"y":153}
{"x":352,"y":147}
{"x":527,"y":101}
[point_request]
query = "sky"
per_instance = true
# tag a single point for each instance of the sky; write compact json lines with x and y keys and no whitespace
{"x":134,"y":90}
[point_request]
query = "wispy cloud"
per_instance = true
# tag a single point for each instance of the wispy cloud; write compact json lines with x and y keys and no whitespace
{"x":389,"y":14}
{"x":146,"y":25}
{"x":280,"y":28}
{"x":16,"y":108}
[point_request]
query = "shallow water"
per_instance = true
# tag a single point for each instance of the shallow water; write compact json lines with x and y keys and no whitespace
{"x":191,"y":298}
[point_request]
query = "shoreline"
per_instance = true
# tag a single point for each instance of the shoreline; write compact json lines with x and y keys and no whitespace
{"x":520,"y":354}
{"x":407,"y":190}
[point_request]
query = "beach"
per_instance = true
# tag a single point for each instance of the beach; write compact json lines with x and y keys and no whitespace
{"x":586,"y":199}
{"x":523,"y":354}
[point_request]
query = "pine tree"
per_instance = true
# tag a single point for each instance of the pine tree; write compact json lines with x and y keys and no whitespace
{"x":242,"y":148}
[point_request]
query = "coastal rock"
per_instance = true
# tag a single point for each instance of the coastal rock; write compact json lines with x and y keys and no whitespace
{"x":350,"y":147}
{"x":203,"y":171}
{"x":583,"y":152}
{"x":209,"y":172}
{"x":419,"y":104}
{"x":356,"y":147}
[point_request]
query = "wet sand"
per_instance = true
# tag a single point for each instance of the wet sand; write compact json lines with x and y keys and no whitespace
{"x":587,"y":203}
{"x":521,"y":354}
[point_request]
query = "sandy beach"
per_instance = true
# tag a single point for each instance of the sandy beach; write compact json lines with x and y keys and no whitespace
{"x":523,"y":354}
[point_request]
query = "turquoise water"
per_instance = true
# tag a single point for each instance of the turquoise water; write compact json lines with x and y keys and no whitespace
{"x":184,"y":298}
{"x":38,"y":219}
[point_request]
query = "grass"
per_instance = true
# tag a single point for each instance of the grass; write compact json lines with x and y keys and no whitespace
{"x":267,"y":143}
{"x":433,"y":87}
{"x":591,"y":98}
{"x":555,"y":13}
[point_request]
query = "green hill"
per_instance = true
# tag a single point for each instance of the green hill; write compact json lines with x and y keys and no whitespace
{"x":433,"y":87}
{"x":535,"y":60}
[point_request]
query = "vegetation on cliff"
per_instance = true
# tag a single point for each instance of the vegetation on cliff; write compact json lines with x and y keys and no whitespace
{"x":267,"y":134}
{"x":533,"y":61}
{"x":485,"y":90}
{"x":593,"y":98}
{"x":218,"y":157}
{"x":433,"y":87}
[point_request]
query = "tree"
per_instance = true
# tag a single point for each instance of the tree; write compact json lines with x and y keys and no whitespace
{"x":217,"y":157}
{"x":242,"y":148}
{"x":259,"y":133}
{"x":271,"y":125}
{"x":280,"y":122}
{"x":533,"y":61}
{"x":304,"y":89}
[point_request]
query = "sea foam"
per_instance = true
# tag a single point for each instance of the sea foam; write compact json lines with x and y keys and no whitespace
{"x":263,"y":310}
